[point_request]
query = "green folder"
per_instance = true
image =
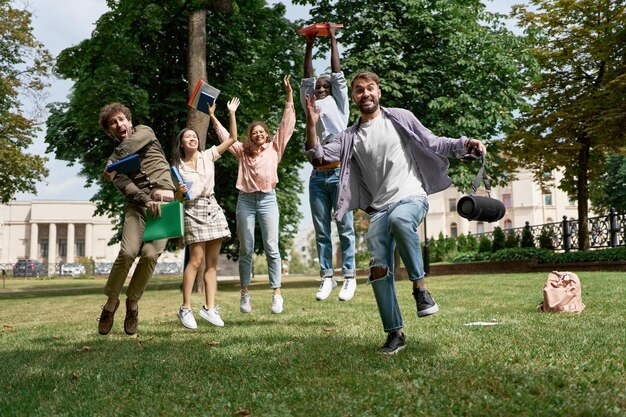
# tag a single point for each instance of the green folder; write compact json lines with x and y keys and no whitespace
{"x":171,"y":224}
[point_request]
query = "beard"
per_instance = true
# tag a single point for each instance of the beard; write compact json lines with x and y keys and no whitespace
{"x":370,"y":106}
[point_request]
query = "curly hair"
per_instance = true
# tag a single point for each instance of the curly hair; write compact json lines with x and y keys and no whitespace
{"x":111,"y":110}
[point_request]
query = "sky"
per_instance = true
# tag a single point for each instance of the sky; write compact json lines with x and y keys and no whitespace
{"x":60,"y":24}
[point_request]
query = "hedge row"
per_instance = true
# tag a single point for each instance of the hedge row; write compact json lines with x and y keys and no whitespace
{"x":544,"y":255}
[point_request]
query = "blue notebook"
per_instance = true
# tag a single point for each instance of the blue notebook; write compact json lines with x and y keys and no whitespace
{"x":126,"y":165}
{"x":179,"y":180}
{"x":203,"y":96}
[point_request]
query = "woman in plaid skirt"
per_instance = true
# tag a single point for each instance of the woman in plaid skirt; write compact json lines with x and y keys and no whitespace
{"x":205,"y":223}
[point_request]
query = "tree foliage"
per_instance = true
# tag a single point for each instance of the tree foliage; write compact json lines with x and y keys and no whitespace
{"x":579,"y":102}
{"x":24,"y":66}
{"x":137,"y":55}
{"x":450,"y":62}
{"x":612,"y":187}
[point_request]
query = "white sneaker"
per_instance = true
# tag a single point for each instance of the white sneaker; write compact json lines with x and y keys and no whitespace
{"x":326,"y":287}
{"x":277,"y":304}
{"x":186,"y":318}
{"x":212,"y":315}
{"x":244,"y":303}
{"x":347,"y":291}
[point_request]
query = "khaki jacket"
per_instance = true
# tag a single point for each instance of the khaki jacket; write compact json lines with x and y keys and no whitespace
{"x":155,"y":170}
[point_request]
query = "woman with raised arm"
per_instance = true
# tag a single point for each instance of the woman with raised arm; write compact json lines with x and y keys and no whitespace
{"x":205,"y":222}
{"x":259,"y":156}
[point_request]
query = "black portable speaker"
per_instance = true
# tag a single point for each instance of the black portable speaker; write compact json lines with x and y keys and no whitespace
{"x":483,"y":209}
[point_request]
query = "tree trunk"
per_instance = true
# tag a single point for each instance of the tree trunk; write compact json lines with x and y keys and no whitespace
{"x":583,"y":194}
{"x":198,"y":121}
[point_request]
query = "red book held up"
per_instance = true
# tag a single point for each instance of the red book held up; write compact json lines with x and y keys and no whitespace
{"x":317,"y":29}
{"x":203,"y":96}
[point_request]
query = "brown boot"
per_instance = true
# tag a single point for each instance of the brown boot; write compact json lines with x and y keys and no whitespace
{"x":132,"y":320}
{"x":106,"y":319}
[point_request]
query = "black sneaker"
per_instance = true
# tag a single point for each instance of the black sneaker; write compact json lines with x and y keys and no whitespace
{"x":395,"y":343}
{"x":425,"y":303}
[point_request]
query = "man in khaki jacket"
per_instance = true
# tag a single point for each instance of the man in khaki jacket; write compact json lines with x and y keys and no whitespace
{"x":144,"y":190}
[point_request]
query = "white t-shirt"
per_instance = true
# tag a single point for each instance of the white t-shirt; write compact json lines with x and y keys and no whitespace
{"x":389,"y":172}
{"x":334,"y":109}
{"x":203,"y":177}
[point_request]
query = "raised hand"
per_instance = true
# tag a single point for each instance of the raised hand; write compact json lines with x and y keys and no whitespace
{"x":233,"y":104}
{"x":212,"y":108}
{"x":288,"y":88}
{"x":312,"y":112}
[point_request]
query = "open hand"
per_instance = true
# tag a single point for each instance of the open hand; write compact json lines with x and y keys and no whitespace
{"x":287,"y":84}
{"x":312,"y":112}
{"x":233,"y":104}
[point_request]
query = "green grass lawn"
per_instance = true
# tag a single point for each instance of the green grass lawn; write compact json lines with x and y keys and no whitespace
{"x":317,"y":358}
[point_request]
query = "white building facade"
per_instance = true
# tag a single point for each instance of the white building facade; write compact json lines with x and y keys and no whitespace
{"x":54,"y":232}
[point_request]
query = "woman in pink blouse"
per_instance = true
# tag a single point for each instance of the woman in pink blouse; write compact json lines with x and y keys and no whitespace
{"x":205,"y":222}
{"x":258,"y":157}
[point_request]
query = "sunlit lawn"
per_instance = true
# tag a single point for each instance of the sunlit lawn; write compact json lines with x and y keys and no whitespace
{"x":317,"y":358}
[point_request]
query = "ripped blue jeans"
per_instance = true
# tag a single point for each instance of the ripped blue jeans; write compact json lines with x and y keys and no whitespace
{"x":395,"y":226}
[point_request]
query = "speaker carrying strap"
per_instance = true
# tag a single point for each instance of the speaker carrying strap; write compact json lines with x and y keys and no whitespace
{"x":482,"y":175}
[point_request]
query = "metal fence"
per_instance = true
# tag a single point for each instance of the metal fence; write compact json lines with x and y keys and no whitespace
{"x":604,"y":232}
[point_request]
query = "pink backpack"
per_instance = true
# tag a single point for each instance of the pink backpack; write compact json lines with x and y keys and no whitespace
{"x":562,"y":293}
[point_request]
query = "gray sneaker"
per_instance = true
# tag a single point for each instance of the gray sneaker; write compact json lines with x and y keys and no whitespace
{"x":244,"y":303}
{"x":424,"y":302}
{"x":395,"y":342}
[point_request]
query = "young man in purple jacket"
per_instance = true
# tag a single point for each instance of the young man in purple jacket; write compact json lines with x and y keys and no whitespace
{"x":389,"y":164}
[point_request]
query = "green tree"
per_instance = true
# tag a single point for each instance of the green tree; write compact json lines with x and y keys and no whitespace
{"x":484,"y":244}
{"x":462,"y":243}
{"x":472,"y":243}
{"x":611,"y":186}
{"x":579,"y":102}
{"x":450,"y":62}
{"x":528,"y":241}
{"x":138,"y":55}
{"x":498,"y":239}
{"x":512,"y":241}
{"x":24,"y":67}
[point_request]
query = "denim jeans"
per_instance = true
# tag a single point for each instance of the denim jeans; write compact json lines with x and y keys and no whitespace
{"x":323,"y":186}
{"x":263,"y":206}
{"x":395,"y":226}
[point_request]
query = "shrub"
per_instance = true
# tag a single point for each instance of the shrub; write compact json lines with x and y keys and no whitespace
{"x":498,"y":239}
{"x":527,"y":238}
{"x":472,"y":243}
{"x":462,"y":244}
{"x":512,"y":240}
{"x":484,"y":245}
{"x":546,"y":239}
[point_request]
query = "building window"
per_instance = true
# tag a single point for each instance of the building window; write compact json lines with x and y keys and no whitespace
{"x":452,"y":204}
{"x":508,"y":224}
{"x":547,"y":199}
{"x":43,"y":248}
{"x":480,"y":227}
{"x":506,"y":200}
{"x":80,"y":247}
{"x":62,"y":247}
{"x":454,"y":232}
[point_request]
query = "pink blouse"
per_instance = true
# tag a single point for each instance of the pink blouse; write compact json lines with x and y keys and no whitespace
{"x":259,"y":173}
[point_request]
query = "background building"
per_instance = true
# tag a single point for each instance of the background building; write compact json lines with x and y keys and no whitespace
{"x":54,"y":232}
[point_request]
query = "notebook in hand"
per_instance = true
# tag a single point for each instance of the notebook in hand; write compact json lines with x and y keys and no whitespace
{"x":179,"y":180}
{"x":171,"y":224}
{"x":203,"y":96}
{"x":317,"y":29}
{"x":125,"y":165}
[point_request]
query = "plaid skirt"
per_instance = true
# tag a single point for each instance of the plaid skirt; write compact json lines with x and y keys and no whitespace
{"x":204,"y":221}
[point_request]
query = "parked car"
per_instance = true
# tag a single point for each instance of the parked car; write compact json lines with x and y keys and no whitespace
{"x":167,"y":268}
{"x":103,"y":268}
{"x":29,"y":268}
{"x":72,"y":270}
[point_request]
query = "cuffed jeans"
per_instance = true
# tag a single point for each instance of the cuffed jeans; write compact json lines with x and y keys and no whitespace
{"x":132,"y":245}
{"x":323,"y":185}
{"x":263,"y":206}
{"x":395,"y":226}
